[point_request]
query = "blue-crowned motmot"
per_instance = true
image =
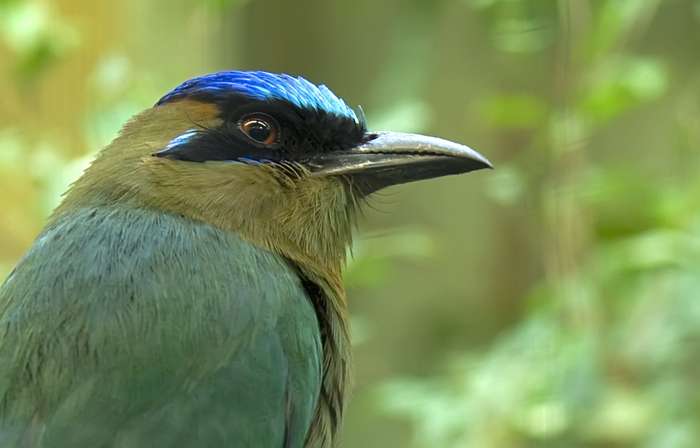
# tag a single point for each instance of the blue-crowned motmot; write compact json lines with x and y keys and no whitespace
{"x":187,"y":292}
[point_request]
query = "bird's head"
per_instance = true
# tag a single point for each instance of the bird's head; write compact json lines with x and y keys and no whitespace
{"x":276,"y":159}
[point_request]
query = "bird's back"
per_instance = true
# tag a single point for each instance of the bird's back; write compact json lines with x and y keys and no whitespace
{"x":128,"y":327}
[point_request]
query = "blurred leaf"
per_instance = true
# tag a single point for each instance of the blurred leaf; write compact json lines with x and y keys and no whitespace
{"x":567,"y":131}
{"x":623,"y":200}
{"x":12,"y":150}
{"x":519,"y":26}
{"x":519,"y":35}
{"x":531,"y":382}
{"x":372,"y":255}
{"x":623,"y":83}
{"x":35,"y":35}
{"x":614,"y":19}
{"x":223,"y":4}
{"x":119,"y":91}
{"x":511,"y":111}
{"x":408,"y":115}
{"x":482,"y":4}
{"x":112,"y":74}
{"x":655,"y":249}
{"x":624,"y":416}
{"x":506,"y":185}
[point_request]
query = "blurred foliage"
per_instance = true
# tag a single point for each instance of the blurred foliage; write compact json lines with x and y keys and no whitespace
{"x":36,"y":36}
{"x":607,"y":352}
{"x":555,"y":308}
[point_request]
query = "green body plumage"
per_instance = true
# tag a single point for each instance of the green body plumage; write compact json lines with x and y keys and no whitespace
{"x":136,"y":315}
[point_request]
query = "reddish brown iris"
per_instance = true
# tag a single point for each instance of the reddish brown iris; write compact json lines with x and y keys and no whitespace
{"x":261,"y":128}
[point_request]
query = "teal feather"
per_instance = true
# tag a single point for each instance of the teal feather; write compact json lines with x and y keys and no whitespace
{"x":137,"y":328}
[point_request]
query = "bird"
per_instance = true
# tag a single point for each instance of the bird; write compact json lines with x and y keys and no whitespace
{"x":187,"y":291}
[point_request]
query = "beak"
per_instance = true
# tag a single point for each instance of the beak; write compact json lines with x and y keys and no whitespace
{"x":392,"y":158}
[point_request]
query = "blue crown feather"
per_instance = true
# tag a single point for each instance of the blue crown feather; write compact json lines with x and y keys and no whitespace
{"x":265,"y":86}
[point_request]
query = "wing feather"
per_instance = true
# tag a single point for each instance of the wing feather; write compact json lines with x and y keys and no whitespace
{"x":133,"y":328}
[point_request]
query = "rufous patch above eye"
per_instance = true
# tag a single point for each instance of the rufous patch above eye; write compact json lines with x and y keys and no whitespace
{"x":260,"y":128}
{"x":196,"y":110}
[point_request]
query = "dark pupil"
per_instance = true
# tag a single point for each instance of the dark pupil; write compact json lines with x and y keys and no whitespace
{"x":258,"y":131}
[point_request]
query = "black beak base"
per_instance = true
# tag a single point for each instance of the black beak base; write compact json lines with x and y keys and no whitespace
{"x":392,"y":158}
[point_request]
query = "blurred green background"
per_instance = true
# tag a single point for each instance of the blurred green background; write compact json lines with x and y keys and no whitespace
{"x":553,"y":302}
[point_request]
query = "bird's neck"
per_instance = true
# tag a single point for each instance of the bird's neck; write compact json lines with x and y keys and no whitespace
{"x":307,"y":221}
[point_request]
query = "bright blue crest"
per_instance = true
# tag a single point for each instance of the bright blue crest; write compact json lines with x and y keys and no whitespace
{"x":265,"y":86}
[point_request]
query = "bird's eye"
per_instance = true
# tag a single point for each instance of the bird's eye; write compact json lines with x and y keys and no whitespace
{"x":260,"y":127}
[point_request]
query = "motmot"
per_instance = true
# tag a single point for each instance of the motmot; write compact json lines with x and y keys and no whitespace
{"x":187,"y":292}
